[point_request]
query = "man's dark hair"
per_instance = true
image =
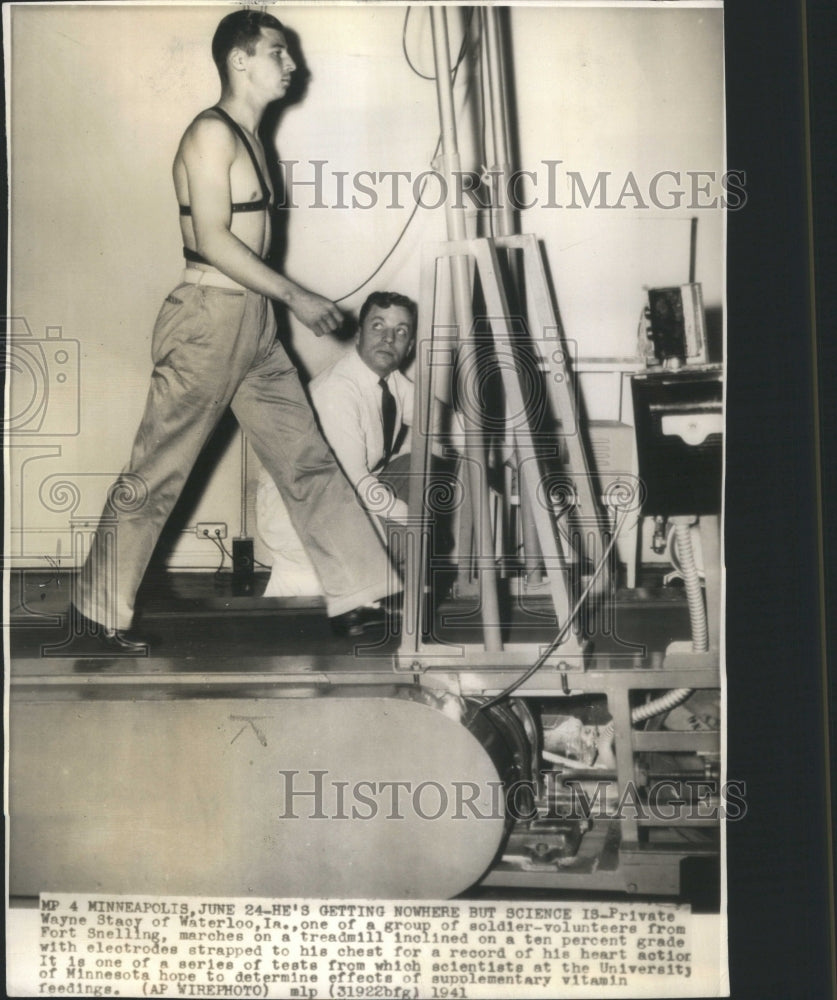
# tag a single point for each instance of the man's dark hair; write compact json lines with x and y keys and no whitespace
{"x":386,"y":299}
{"x":239,"y":30}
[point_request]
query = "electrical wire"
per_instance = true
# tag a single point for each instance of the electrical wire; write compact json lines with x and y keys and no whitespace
{"x":412,"y":214}
{"x":223,"y":553}
{"x":462,"y":46}
{"x":223,"y":548}
{"x":550,"y":649}
{"x":417,"y":71}
{"x":394,"y":246}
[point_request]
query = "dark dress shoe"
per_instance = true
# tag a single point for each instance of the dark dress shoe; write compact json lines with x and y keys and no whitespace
{"x":90,"y":638}
{"x":359,"y":620}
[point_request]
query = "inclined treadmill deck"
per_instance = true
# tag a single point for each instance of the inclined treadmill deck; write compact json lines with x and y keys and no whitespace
{"x":195,"y":616}
{"x":117,"y":762}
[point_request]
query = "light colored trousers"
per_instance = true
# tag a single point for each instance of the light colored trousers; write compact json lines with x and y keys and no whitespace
{"x":292,"y":574}
{"x":213,"y":348}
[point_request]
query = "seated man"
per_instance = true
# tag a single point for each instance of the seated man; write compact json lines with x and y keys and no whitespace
{"x":365,"y":408}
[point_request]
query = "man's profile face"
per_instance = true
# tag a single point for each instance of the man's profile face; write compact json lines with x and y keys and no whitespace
{"x":270,"y":66}
{"x":385,"y":338}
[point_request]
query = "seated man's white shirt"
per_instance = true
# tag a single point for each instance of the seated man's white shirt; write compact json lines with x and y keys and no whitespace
{"x":347,"y":400}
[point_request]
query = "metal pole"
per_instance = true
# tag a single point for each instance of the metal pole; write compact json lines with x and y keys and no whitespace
{"x":461,"y":284}
{"x":243,"y":484}
{"x":503,"y":224}
{"x":692,"y":249}
{"x":503,"y":212}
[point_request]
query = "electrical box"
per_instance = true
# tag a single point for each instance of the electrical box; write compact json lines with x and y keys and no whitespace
{"x":679,"y":424}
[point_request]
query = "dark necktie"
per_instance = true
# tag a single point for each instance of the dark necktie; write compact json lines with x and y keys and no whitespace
{"x":387,"y":418}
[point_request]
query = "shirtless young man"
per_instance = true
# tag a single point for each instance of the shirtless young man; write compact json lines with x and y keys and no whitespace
{"x":215,"y":346}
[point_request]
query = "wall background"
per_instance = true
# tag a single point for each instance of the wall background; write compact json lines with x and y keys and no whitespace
{"x":98,"y":99}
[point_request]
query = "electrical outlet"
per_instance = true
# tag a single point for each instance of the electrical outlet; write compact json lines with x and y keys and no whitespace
{"x":211,"y":529}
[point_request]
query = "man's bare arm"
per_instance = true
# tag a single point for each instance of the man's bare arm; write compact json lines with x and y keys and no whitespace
{"x":207,"y":152}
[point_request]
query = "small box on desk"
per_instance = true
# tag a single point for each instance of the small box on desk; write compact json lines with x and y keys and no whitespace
{"x":678,"y":324}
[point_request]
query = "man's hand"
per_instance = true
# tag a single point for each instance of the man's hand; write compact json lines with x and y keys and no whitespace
{"x":398,"y":512}
{"x":208,"y":152}
{"x":379,"y":498}
{"x":316,"y":312}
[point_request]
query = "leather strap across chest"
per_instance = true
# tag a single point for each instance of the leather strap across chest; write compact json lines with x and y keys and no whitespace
{"x":242,"y":206}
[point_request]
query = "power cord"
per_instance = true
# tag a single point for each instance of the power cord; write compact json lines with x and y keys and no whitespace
{"x":223,"y":553}
{"x":550,"y":649}
{"x":459,"y":58}
{"x":412,"y":214}
{"x":394,"y":246}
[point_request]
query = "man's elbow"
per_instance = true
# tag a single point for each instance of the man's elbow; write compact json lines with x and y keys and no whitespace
{"x":210,"y":243}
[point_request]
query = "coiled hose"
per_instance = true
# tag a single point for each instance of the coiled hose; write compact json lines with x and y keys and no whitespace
{"x":700,"y":642}
{"x":691,"y":579}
